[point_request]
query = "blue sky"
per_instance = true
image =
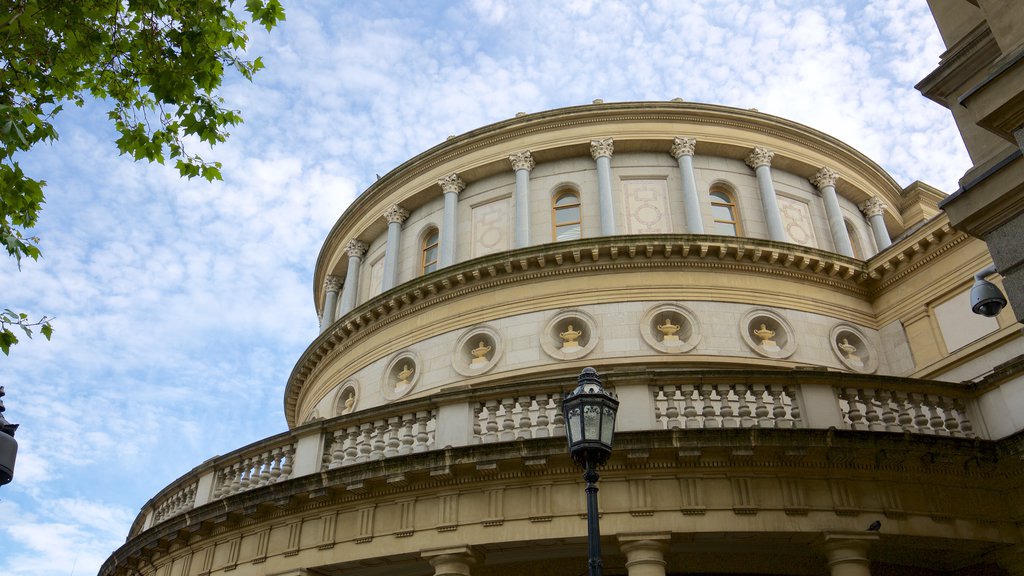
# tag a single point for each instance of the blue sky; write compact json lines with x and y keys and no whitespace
{"x":182,"y":306}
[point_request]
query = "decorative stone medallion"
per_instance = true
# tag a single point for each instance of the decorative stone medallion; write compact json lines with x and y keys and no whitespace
{"x":853,"y":349}
{"x":670,"y":328}
{"x":401,"y":375}
{"x":570,"y":334}
{"x":767,"y":333}
{"x":477,"y":351}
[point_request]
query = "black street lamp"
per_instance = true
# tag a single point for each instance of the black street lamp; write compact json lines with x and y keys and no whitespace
{"x":8,"y":445}
{"x":589,"y":424}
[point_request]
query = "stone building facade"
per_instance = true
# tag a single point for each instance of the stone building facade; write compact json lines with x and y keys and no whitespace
{"x":786,"y":328}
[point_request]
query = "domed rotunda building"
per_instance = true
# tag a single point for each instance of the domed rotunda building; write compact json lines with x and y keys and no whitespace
{"x":803,"y":387}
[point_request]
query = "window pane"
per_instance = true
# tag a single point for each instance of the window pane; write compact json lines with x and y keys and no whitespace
{"x":720,"y":197}
{"x":430,"y":254}
{"x":725,"y":229}
{"x":565,"y":215}
{"x":567,"y":199}
{"x":431,"y":238}
{"x":430,"y":267}
{"x":722,"y":213}
{"x":567,"y":232}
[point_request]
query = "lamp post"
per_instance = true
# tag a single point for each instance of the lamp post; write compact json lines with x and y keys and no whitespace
{"x":8,"y":445}
{"x":589,"y":424}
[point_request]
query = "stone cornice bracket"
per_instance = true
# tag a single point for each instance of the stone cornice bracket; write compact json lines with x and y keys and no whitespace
{"x":760,"y":157}
{"x":599,"y":148}
{"x":332,"y":283}
{"x":522,"y":161}
{"x":682,"y":146}
{"x":396,"y":214}
{"x":356,"y":248}
{"x":872,"y":207}
{"x":451,"y":183}
{"x":825,"y":177}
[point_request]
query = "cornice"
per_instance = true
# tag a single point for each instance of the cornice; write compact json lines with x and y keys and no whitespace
{"x":389,"y":188}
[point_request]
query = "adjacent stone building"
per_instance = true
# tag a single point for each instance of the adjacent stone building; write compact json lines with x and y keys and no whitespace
{"x":803,"y":387}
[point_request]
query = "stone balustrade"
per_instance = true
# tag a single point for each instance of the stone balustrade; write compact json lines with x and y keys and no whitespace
{"x":521,"y":411}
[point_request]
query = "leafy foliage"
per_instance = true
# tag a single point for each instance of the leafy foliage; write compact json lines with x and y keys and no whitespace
{"x":11,"y":319}
{"x":159,"y":63}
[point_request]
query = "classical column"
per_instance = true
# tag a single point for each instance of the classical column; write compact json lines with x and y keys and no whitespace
{"x":331,"y":286}
{"x":395,"y":216}
{"x":873,"y":208}
{"x":356,"y":249}
{"x":453,"y":561}
{"x":522,"y":163}
{"x":825,"y":182}
{"x":451,"y":185}
{"x":645,"y":553}
{"x":847,"y":554}
{"x":760,"y":161}
{"x":682,"y":150}
{"x":602,"y":150}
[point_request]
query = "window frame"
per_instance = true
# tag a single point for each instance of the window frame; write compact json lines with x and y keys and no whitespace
{"x":731,"y":204}
{"x":431,"y":232}
{"x":555,"y":198}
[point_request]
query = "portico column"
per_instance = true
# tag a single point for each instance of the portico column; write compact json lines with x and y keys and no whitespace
{"x":825,"y":182}
{"x":873,"y":208}
{"x":395,"y":216}
{"x":760,"y":161}
{"x":682,"y":151}
{"x":331,"y":286}
{"x":602,"y":151}
{"x":453,"y":561}
{"x":645,"y":553}
{"x":451,"y":185}
{"x":522,"y":163}
{"x":356,"y":249}
{"x":847,"y":554}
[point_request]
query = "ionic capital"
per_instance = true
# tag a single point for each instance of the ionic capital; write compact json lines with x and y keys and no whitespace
{"x":332,"y":284}
{"x":452,"y":183}
{"x":356,"y":248}
{"x":396,"y":214}
{"x":872,"y":207}
{"x":682,"y":146}
{"x":760,"y":157}
{"x":825,"y":177}
{"x":599,"y":148}
{"x":522,"y":161}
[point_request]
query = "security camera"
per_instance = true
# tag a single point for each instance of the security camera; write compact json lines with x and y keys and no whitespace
{"x":986,"y":298}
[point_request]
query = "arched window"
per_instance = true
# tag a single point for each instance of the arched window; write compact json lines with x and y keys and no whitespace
{"x":725,"y":214}
{"x":429,"y":261}
{"x":565,"y":216}
{"x":858,"y":252}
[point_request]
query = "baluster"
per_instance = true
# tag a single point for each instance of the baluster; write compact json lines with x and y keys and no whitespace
{"x":408,"y":439}
{"x":778,"y":408}
{"x":871,"y":416}
{"x":559,"y":418}
{"x":950,"y":422}
{"x":351,"y":446}
{"x":265,"y":468}
{"x":478,"y":430}
{"x":492,"y":421}
{"x":743,"y":399}
{"x":393,"y":441}
{"x":380,"y":429}
{"x":920,"y":415}
{"x":935,"y":421}
{"x":760,"y":409}
{"x":218,"y":485}
{"x":659,"y":400}
{"x":966,"y":428}
{"x":728,"y":419}
{"x":856,"y":417}
{"x":241,"y":481}
{"x":338,"y":446}
{"x":422,"y":438}
{"x":689,"y":409}
{"x":365,"y":441}
{"x":707,"y":411}
{"x":287,"y":457}
{"x":904,"y":418}
{"x":795,"y":415}
{"x":542,"y":417}
{"x":525,"y":430}
{"x":275,"y":465}
{"x":508,"y":424}
{"x":671,"y":411}
{"x":888,"y":413}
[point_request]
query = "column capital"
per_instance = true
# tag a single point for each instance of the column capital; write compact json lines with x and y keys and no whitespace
{"x":396,"y":214}
{"x":522,"y":161}
{"x":356,"y":248}
{"x":760,"y":157}
{"x":872,"y":207}
{"x":451,"y":561}
{"x":682,"y":146}
{"x":849,"y":548}
{"x":599,"y":148}
{"x":825,"y":177}
{"x":332,"y":283}
{"x":452,"y":183}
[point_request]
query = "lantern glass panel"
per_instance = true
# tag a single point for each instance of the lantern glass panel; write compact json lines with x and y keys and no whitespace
{"x":591,"y":422}
{"x":574,"y":425}
{"x":608,"y":427}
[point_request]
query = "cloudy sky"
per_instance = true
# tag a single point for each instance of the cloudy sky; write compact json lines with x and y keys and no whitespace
{"x":182,"y":306}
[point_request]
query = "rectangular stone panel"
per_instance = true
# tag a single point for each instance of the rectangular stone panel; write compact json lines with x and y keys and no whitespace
{"x":796,"y":219}
{"x":646,"y":206}
{"x":492,"y":223}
